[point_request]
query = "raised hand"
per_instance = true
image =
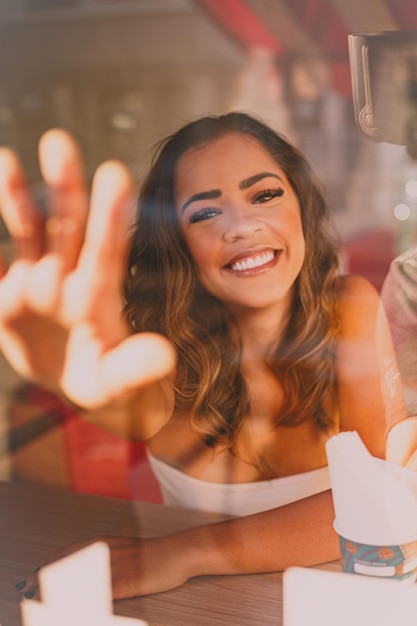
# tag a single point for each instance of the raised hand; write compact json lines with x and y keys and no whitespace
{"x":60,"y":298}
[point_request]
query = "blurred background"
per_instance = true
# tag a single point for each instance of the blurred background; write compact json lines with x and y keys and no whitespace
{"x":121,"y":74}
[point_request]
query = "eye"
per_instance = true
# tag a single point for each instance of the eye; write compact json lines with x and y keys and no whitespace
{"x":204,"y":214}
{"x":268,"y":194}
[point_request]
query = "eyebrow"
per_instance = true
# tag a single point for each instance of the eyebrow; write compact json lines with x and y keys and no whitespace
{"x":248,"y":182}
{"x":216,"y":193}
{"x":203,"y":195}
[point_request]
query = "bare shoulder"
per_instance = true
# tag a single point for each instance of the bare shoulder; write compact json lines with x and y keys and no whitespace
{"x":360,"y":303}
{"x":356,"y":289}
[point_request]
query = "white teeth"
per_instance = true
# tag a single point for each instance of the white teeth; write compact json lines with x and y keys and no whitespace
{"x":250,"y":262}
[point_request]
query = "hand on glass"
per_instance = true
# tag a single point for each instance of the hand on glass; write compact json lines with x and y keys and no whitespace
{"x":60,"y":297}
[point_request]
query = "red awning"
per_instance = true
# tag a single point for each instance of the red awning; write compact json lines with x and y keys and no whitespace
{"x":321,"y":26}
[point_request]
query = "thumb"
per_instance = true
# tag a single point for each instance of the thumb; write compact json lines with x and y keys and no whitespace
{"x":139,"y":360}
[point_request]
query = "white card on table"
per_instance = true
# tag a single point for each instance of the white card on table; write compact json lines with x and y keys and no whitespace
{"x":76,"y":591}
{"x":312,"y":596}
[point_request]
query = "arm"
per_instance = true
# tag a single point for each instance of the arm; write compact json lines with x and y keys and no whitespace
{"x":60,"y":299}
{"x":300,"y":533}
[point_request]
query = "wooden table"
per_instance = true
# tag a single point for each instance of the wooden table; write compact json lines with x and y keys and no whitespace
{"x":34,"y":520}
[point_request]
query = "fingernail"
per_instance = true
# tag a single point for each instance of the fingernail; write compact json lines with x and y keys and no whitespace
{"x":21,"y":585}
{"x":29,"y":595}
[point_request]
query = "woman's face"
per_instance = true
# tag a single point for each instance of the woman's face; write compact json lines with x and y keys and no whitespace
{"x":241,"y":222}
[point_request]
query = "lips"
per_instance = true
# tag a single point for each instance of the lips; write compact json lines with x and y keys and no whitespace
{"x":253,"y":262}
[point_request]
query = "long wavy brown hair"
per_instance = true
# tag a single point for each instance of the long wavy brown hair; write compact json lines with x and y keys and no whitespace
{"x":163,"y":294}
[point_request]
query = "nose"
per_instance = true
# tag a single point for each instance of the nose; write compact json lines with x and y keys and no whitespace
{"x":241,"y":225}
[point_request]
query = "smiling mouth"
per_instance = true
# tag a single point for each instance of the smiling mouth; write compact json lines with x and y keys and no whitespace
{"x":254,"y":262}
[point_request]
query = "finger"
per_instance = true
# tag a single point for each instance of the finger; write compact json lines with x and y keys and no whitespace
{"x":21,"y":216}
{"x":139,"y":360}
{"x":112,"y":200}
{"x":30,"y":585}
{"x":34,"y":594}
{"x":102,"y":266}
{"x":62,"y":168}
{"x":43,"y":289}
{"x":12,"y":288}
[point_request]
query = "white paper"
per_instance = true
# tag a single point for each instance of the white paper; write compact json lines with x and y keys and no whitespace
{"x":76,"y":591}
{"x":375,"y":501}
{"x":336,"y":599}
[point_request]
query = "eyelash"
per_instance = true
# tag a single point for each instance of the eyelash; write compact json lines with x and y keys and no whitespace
{"x":268,"y":194}
{"x":204,"y":214}
{"x":208,"y":212}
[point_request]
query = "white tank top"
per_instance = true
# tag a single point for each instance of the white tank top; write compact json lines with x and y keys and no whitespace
{"x":239,"y":499}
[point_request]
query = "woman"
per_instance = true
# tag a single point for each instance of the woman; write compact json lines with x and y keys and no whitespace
{"x":249,"y":349}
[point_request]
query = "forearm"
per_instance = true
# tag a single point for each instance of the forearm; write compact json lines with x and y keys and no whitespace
{"x":300,"y":534}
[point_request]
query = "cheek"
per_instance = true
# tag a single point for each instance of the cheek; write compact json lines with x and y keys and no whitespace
{"x":296,"y":237}
{"x":290,"y":225}
{"x":202,"y":247}
{"x":201,"y":250}
{"x":297,"y":227}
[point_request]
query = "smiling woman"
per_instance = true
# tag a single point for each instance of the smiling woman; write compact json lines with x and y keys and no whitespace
{"x":240,"y":193}
{"x":240,"y":351}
